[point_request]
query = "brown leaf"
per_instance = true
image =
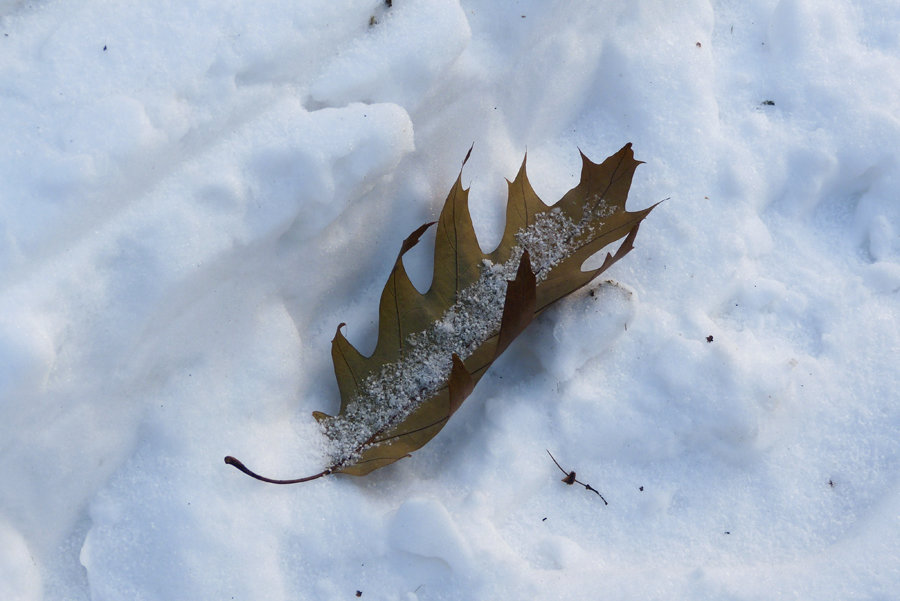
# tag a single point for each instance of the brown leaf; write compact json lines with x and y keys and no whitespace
{"x":433,"y":348}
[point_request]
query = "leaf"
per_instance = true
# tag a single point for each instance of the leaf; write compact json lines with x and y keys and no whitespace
{"x":433,"y":348}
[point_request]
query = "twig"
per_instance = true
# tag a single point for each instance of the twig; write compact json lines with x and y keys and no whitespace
{"x":570,"y":478}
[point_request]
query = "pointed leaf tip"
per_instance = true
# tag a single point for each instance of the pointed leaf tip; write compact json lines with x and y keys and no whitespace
{"x":413,"y":238}
{"x":461,"y":384}
{"x":519,"y":304}
{"x":468,"y":154}
{"x":522,"y":170}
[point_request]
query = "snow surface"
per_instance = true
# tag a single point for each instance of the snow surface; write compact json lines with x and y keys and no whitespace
{"x":194,"y":194}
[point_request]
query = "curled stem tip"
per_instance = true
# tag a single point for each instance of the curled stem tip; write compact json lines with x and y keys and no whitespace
{"x":239,"y":465}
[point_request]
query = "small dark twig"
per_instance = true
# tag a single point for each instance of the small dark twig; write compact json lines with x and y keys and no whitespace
{"x":570,"y":478}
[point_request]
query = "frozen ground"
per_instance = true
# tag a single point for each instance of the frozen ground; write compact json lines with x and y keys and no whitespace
{"x":194,"y":194}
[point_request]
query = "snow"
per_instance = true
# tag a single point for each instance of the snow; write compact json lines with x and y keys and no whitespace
{"x":196,"y":193}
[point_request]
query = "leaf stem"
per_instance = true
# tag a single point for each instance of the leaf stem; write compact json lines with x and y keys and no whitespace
{"x":236,"y":463}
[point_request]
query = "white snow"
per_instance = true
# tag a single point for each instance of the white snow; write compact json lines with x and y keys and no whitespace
{"x":194,"y":194}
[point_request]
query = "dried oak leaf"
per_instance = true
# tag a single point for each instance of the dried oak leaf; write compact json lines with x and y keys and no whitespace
{"x":433,"y":348}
